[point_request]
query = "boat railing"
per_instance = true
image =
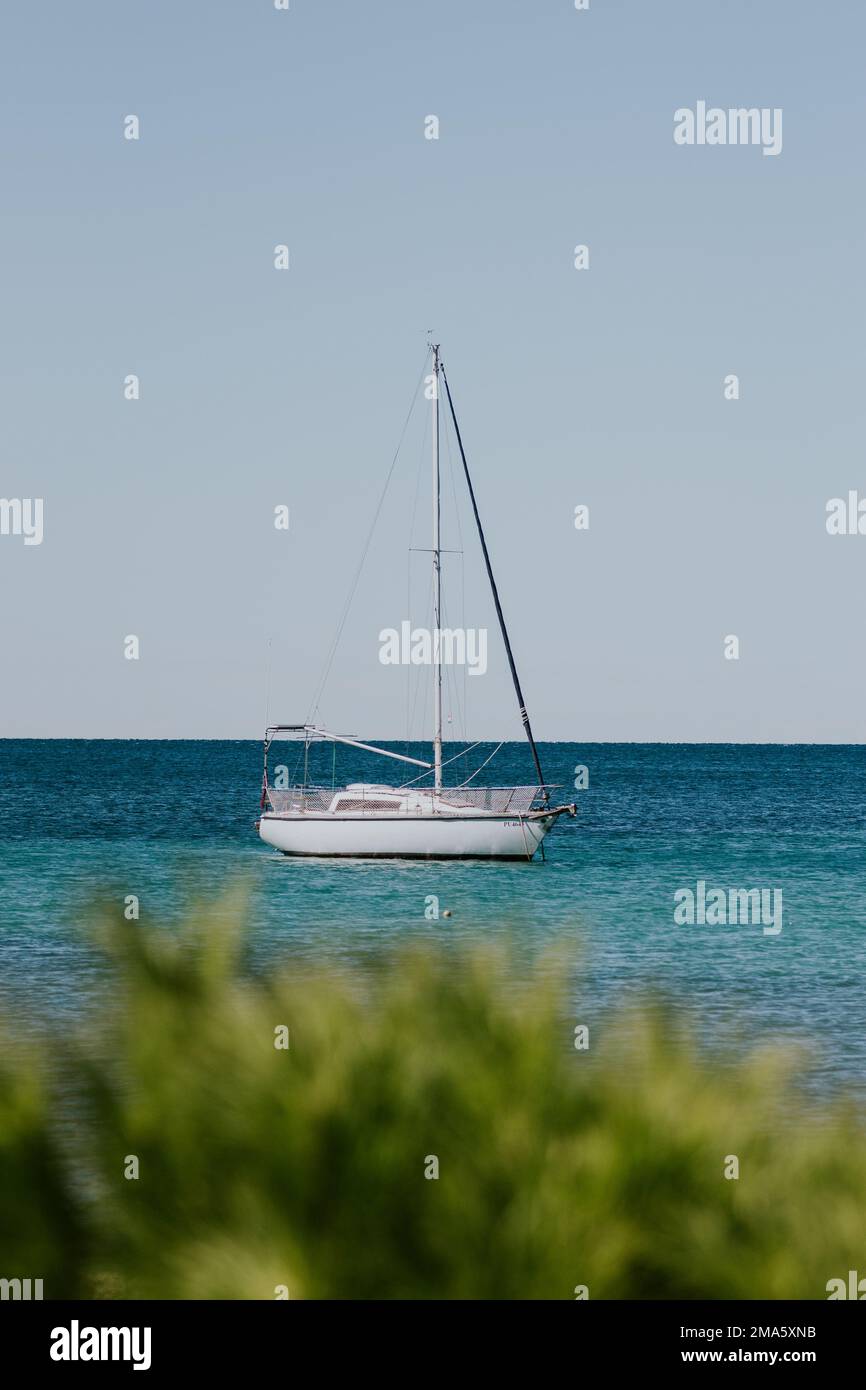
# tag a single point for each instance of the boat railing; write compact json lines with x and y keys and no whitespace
{"x":307,"y":800}
{"x":495,"y":799}
{"x":295,"y":800}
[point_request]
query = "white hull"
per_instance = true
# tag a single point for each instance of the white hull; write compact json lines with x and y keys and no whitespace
{"x":408,"y":837}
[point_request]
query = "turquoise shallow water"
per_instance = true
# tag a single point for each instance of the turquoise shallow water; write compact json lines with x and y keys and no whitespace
{"x":168,"y":820}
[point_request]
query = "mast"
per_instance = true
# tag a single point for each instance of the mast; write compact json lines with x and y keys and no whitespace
{"x":437,"y":585}
{"x":495,"y":592}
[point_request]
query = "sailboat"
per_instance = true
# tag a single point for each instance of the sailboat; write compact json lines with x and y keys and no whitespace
{"x":380,"y":820}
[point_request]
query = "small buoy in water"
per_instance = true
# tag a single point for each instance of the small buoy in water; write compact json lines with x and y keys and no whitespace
{"x":447,"y":912}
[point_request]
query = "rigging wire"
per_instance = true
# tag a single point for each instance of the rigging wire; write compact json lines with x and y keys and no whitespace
{"x":424,"y":445}
{"x":483,"y":765}
{"x":453,"y":759}
{"x":462,"y":715}
{"x":495,"y":594}
{"x":348,"y":604}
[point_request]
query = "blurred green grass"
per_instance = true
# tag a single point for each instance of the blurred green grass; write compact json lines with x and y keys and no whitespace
{"x":305,"y":1168}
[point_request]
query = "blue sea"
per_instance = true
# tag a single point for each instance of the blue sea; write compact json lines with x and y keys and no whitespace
{"x":173,"y":823}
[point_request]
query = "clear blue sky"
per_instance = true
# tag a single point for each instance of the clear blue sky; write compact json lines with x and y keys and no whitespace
{"x":604,"y":387}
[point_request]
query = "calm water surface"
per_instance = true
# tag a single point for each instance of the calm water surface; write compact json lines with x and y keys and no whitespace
{"x":170,"y":820}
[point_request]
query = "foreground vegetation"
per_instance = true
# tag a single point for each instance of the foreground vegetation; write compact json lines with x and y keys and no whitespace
{"x":310,"y":1169}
